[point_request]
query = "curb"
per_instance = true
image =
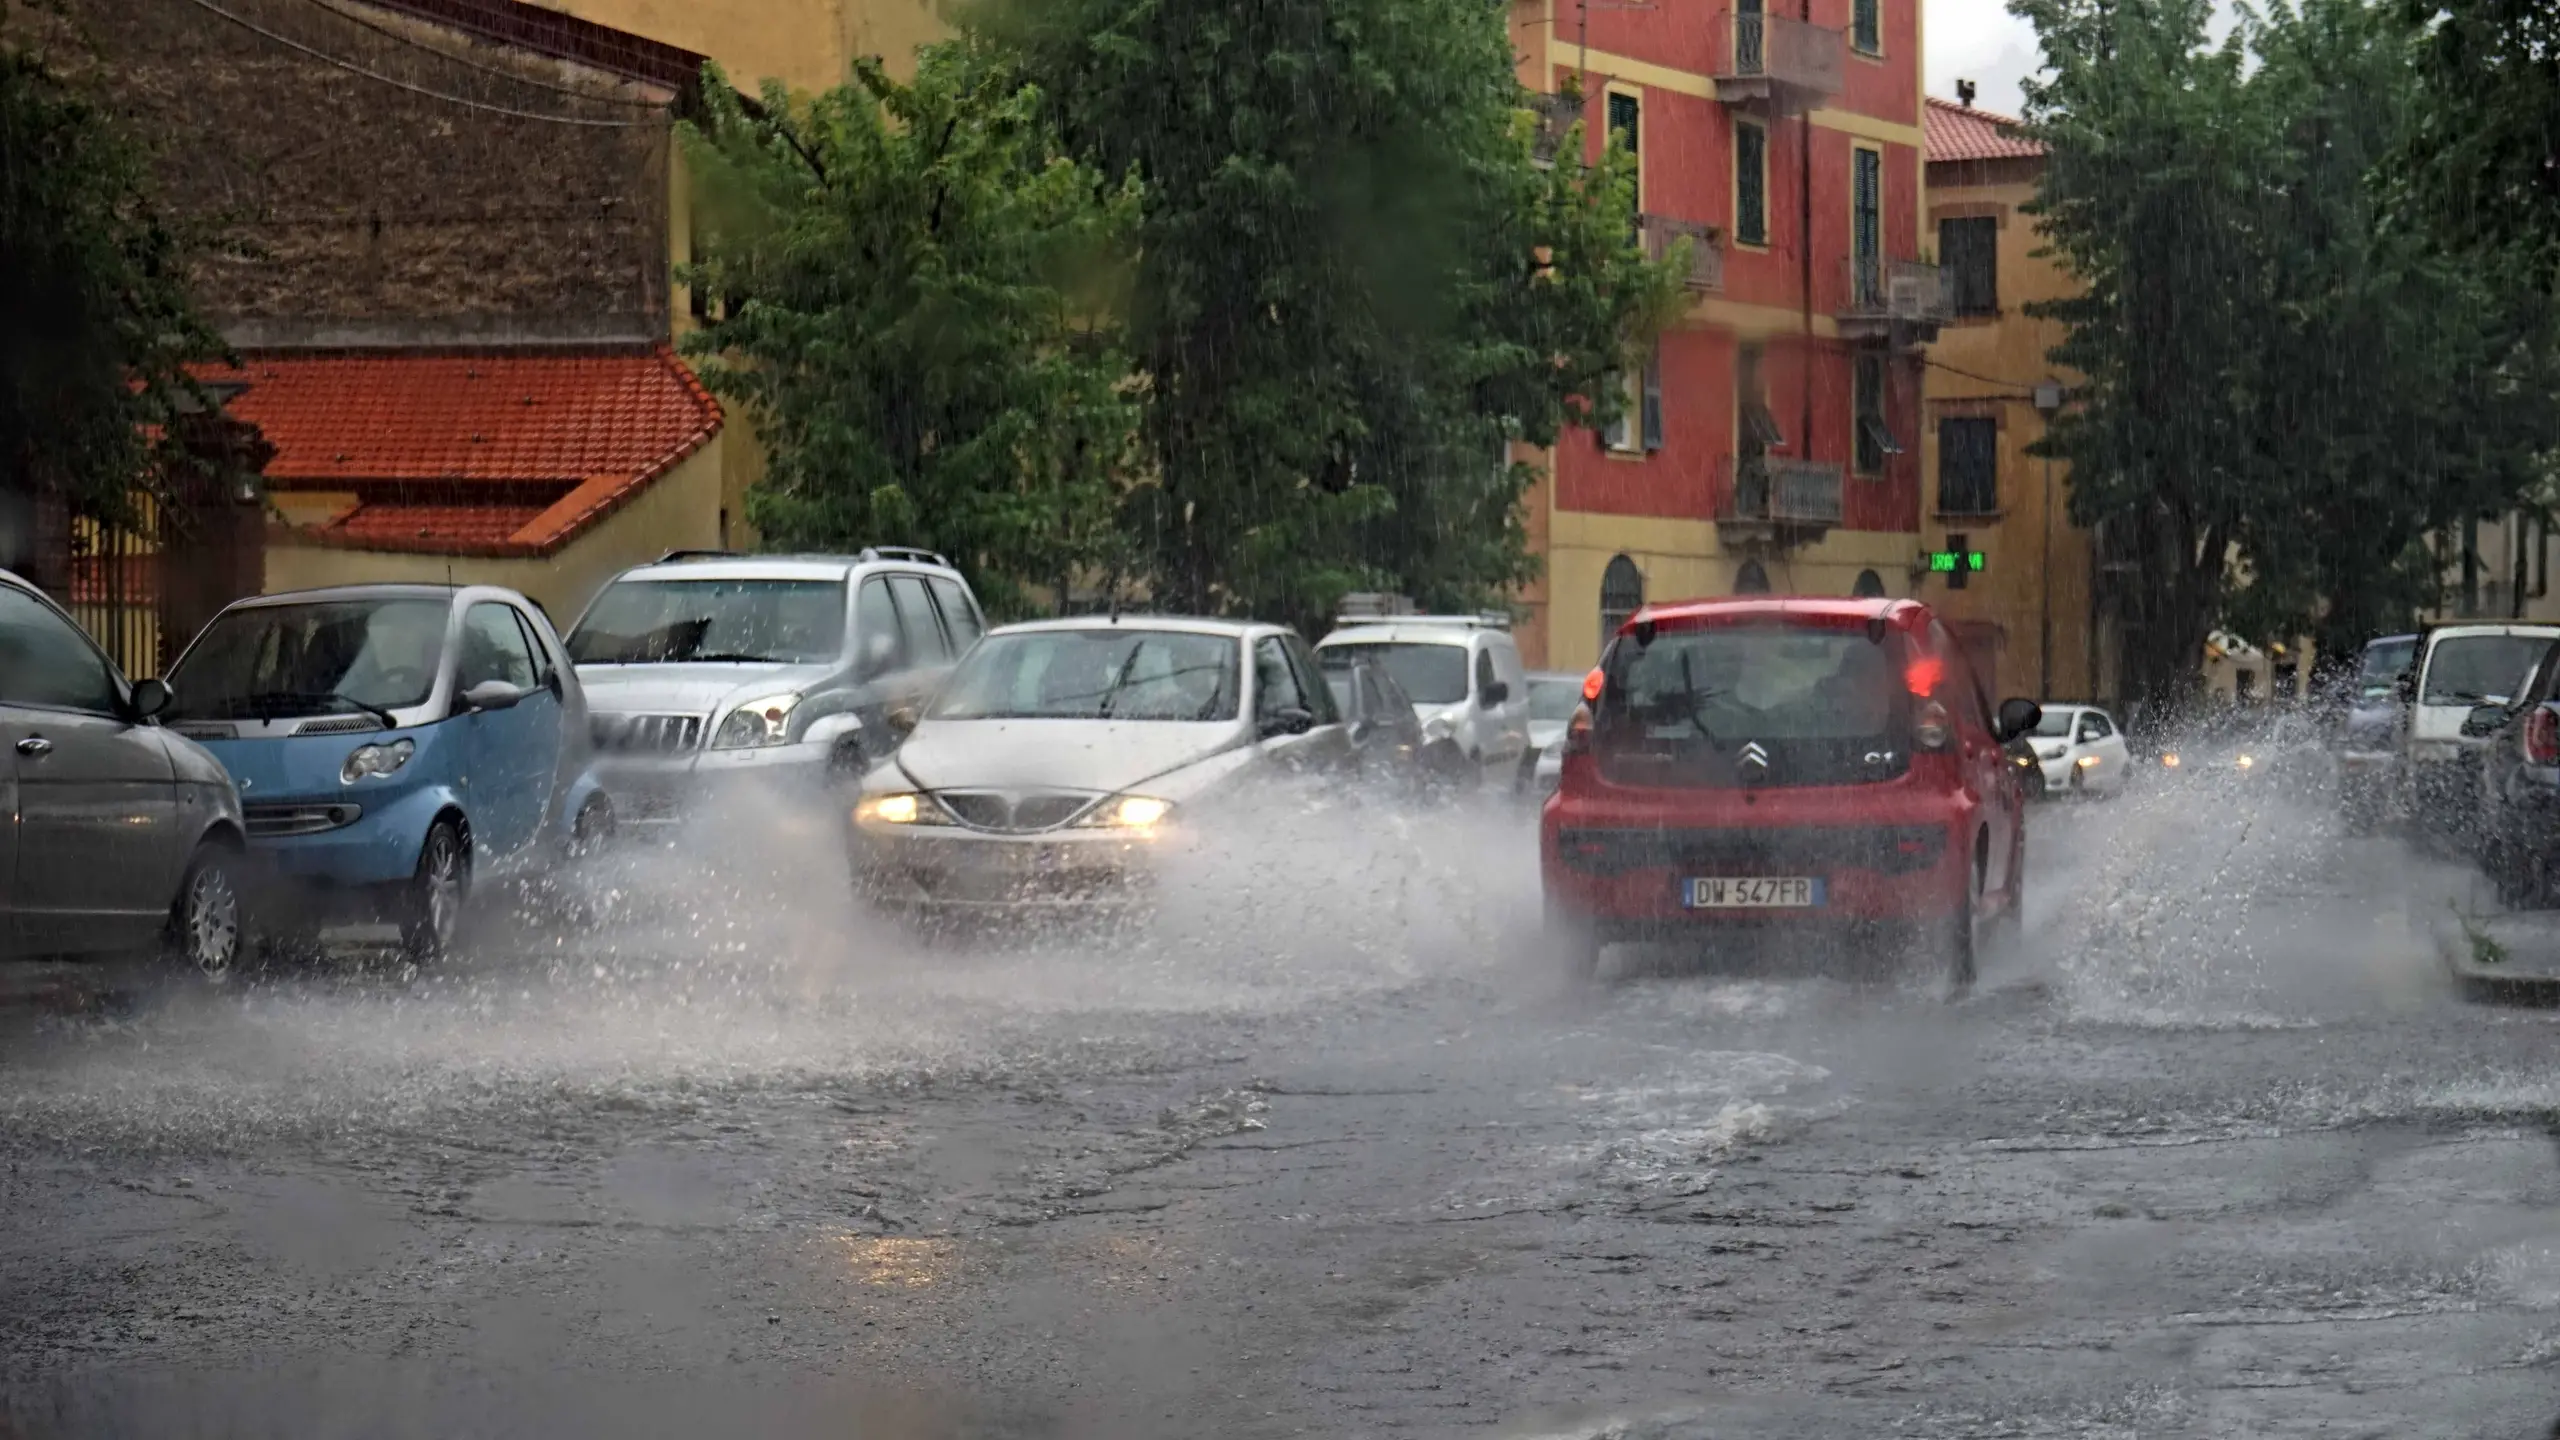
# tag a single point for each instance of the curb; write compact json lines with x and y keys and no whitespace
{"x":2459,"y":941}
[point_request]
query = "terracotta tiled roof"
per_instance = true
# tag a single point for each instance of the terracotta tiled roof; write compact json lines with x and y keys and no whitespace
{"x":1960,"y":132}
{"x":492,"y":454}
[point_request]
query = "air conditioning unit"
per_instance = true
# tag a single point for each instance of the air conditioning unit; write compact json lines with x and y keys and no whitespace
{"x":1907,"y":296}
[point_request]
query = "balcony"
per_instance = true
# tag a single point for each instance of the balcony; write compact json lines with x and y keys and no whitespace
{"x":1556,"y":116}
{"x":1901,"y":302}
{"x":1662,"y":235}
{"x":1773,"y":503}
{"x":1777,"y":63}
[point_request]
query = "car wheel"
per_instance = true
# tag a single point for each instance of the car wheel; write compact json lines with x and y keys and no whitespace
{"x":592,"y":832}
{"x":432,"y":916}
{"x":208,"y":923}
{"x":1960,"y":937}
{"x":1575,"y":943}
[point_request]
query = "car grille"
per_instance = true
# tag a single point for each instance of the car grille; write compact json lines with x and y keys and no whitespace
{"x":1012,"y":814}
{"x":645,"y":734}
{"x":338,"y":725}
{"x":1885,"y":849}
{"x":270,"y":821}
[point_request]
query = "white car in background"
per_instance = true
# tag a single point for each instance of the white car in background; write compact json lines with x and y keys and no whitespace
{"x":2080,"y":747}
{"x":1465,"y":677}
{"x":1552,"y":697}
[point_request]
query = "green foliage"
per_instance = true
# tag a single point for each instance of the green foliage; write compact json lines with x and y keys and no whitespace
{"x":96,"y":327}
{"x":920,"y":301}
{"x":2481,"y":159}
{"x":1339,"y":305}
{"x":2282,"y":383}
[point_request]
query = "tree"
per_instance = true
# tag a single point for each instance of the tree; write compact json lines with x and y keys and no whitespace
{"x":1354,"y":284}
{"x":96,"y":325}
{"x":2285,"y":392}
{"x":918,"y":302}
{"x":2482,"y":154}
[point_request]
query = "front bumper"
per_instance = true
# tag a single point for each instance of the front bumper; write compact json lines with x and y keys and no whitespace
{"x":950,"y":870}
{"x":667,"y":789}
{"x":1870,"y":873}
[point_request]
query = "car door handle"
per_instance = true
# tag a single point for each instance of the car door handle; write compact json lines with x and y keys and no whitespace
{"x":35,"y":746}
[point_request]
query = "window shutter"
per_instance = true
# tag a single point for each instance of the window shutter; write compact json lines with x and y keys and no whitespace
{"x":1653,"y":404}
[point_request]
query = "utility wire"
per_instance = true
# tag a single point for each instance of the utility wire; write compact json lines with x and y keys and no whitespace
{"x":2024,"y":394}
{"x":354,"y":69}
{"x":441,"y":53}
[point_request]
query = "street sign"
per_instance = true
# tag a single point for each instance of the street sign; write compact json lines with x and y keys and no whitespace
{"x":1950,"y":562}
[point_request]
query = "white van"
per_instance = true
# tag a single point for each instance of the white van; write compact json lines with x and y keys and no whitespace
{"x":2460,"y":667}
{"x":1465,"y":677}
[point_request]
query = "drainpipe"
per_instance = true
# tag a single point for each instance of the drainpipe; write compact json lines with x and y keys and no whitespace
{"x":1804,"y":257}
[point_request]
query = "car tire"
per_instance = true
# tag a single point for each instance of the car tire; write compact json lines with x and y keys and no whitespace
{"x":1959,"y":939}
{"x":1575,"y":943}
{"x":591,"y":833}
{"x":432,"y":909}
{"x":209,"y":929}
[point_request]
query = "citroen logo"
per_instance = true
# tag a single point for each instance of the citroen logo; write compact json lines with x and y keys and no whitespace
{"x":1754,"y":756}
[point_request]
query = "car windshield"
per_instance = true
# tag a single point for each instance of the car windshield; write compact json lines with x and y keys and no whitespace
{"x":1430,"y":672}
{"x":2469,"y":669}
{"x":639,"y":622}
{"x":315,"y":658}
{"x":1552,"y":698}
{"x":1730,"y":684}
{"x":2383,"y":664}
{"x":2055,"y":724}
{"x":1103,"y":674}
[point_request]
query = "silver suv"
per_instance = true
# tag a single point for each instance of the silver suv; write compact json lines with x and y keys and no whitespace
{"x":1465,"y":677}
{"x":708,"y":669}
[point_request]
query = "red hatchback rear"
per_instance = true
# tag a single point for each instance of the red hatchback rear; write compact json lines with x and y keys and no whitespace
{"x":1788,"y":761}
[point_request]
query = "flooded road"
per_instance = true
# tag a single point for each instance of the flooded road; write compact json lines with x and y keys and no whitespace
{"x":1332,"y":1153}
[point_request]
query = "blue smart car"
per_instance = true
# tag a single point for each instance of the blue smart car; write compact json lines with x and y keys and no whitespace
{"x":390,"y":743}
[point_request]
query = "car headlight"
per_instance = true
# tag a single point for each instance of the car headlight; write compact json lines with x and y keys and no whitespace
{"x":1129,"y":812}
{"x":765,"y":721}
{"x":369,"y":760}
{"x":2247,"y":761}
{"x":2169,"y":760}
{"x":1437,"y":729}
{"x":902,"y":808}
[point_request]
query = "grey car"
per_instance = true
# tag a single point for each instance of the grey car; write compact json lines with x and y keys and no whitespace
{"x":117,"y":833}
{"x":1062,"y":755}
{"x":705,"y":673}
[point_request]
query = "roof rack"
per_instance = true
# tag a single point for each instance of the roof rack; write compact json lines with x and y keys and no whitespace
{"x":1487,"y":620}
{"x":675,"y":555}
{"x":908,"y":553}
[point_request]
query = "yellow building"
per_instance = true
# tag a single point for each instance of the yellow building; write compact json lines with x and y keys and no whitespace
{"x":806,"y":44}
{"x":2027,"y":615}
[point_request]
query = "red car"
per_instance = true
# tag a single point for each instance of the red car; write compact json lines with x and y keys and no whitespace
{"x":1791,"y":761}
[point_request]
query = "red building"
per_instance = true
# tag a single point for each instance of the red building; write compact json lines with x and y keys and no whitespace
{"x":1774,"y":439}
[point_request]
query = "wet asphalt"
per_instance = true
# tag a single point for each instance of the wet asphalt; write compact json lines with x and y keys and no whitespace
{"x":688,"y":1147}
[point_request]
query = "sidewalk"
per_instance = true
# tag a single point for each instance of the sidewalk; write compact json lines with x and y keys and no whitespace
{"x":2512,"y":957}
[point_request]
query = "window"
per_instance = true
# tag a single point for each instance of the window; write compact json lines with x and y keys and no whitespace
{"x":1968,"y":465}
{"x":1868,"y":586}
{"x":1484,"y":674}
{"x":1866,"y":226}
{"x":1760,"y":432}
{"x":958,"y":612}
{"x":1311,"y":682}
{"x":875,"y":627}
{"x":2094,"y":726}
{"x":1626,"y":433}
{"x":1873,"y":440}
{"x":916,"y":623}
{"x":1969,"y":248}
{"x":1429,"y":674}
{"x":1626,"y":126}
{"x":1275,"y":681}
{"x":1866,"y":26}
{"x":45,"y":662}
{"x":1621,"y":596}
{"x":1120,"y":673}
{"x":1751,"y":579}
{"x":313,"y":658}
{"x":493,"y":648}
{"x":641,"y":622}
{"x":545,"y":674}
{"x":1649,"y":404}
{"x":1750,"y":183}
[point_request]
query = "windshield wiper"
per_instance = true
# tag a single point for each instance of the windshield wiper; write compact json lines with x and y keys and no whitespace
{"x":265,"y":704}
{"x":1689,"y":689}
{"x":730,"y":657}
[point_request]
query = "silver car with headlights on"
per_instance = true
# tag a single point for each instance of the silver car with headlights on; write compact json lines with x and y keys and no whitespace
{"x":708,"y":672}
{"x":1063,"y":756}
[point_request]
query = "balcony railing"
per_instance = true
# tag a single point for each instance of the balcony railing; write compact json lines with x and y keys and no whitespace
{"x":1781,"y":60}
{"x":1556,"y":115}
{"x":1662,"y":235}
{"x":1783,"y":493}
{"x":1883,"y":294}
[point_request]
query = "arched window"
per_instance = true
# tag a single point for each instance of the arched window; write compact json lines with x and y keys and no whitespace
{"x":1621,"y":595}
{"x":1751,"y":579}
{"x":1868,"y":586}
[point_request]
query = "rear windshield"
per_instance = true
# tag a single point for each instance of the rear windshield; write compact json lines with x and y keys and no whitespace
{"x":2383,"y":662}
{"x":1553,"y":698}
{"x":1817,"y":701}
{"x":1431,"y":674}
{"x":2469,"y":669}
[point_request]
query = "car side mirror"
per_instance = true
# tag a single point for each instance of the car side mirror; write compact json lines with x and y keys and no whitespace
{"x":2017,"y":717}
{"x":493,"y":695}
{"x":1497,"y":693}
{"x":1296,"y":720}
{"x":903,"y":716}
{"x":2483,"y":721}
{"x":2405,"y":686}
{"x":150,"y":697}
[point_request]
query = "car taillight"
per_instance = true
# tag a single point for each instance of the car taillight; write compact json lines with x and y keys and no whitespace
{"x":1577,"y":731}
{"x":2542,"y":738}
{"x":1930,"y":728}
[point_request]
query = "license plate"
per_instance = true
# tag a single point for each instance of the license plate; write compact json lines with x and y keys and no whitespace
{"x":1753,"y":892}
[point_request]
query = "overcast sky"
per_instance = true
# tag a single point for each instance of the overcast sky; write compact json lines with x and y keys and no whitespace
{"x":1978,"y":40}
